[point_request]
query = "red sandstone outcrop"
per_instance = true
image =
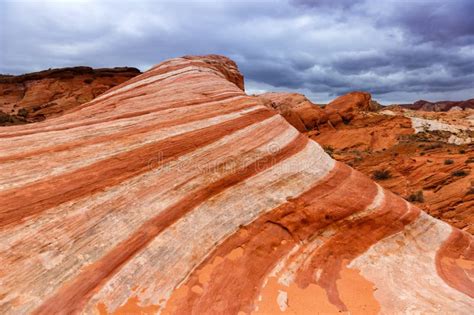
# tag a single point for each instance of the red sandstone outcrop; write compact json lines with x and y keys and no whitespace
{"x":400,"y":142}
{"x":299,"y":111}
{"x":224,"y":66}
{"x":422,"y":163}
{"x":346,"y":107}
{"x":438,"y":177}
{"x":367,"y":131}
{"x":35,"y":96}
{"x":296,"y":108}
{"x":177,"y":193}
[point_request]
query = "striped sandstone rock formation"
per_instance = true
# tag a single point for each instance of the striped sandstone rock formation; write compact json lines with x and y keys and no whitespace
{"x":176,"y":193}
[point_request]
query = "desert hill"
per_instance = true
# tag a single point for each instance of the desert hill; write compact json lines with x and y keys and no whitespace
{"x":35,"y":96}
{"x":175,"y":192}
{"x":425,"y":157}
{"x":441,"y":106}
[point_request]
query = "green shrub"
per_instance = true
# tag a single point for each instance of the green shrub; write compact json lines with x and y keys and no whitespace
{"x":329,"y":150}
{"x":459,"y":173}
{"x":22,"y":112}
{"x":4,"y":118}
{"x":416,"y":197}
{"x":382,"y":174}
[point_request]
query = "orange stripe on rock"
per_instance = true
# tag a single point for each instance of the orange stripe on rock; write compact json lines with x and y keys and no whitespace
{"x":353,"y":238}
{"x":455,"y":262}
{"x":228,"y":109}
{"x":22,"y":203}
{"x":267,"y":240}
{"x":73,"y":296}
{"x":261,"y":245}
{"x":41,"y":128}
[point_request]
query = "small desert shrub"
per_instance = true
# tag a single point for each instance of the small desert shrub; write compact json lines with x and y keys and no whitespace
{"x":470,"y":160}
{"x":448,"y":162}
{"x":329,"y":150}
{"x":88,"y":81}
{"x":462,"y":151}
{"x":23,"y":112}
{"x":382,"y":174}
{"x":4,"y":118}
{"x":459,"y":173}
{"x":470,"y":191}
{"x":416,"y":197}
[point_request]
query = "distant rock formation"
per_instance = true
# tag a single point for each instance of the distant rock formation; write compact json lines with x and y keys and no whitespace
{"x":178,"y":193}
{"x":346,"y":107}
{"x":305,"y":115}
{"x":442,"y":106}
{"x":296,"y":108}
{"x":356,"y":130}
{"x":35,"y":96}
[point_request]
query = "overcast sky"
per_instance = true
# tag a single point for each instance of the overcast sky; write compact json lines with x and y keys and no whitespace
{"x":400,"y":51}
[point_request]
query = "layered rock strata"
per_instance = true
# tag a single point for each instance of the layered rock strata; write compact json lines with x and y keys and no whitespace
{"x":177,"y":193}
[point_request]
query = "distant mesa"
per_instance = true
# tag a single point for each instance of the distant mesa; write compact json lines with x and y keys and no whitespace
{"x":36,"y":96}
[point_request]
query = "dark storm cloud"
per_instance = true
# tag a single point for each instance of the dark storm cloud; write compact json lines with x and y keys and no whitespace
{"x":328,"y":4}
{"x":397,"y":50}
{"x":359,"y":64}
{"x":440,"y":21}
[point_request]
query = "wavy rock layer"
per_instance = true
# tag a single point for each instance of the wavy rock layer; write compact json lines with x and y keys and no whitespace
{"x":177,"y":193}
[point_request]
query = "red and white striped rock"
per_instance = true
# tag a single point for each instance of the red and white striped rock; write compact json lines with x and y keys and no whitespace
{"x":176,"y":193}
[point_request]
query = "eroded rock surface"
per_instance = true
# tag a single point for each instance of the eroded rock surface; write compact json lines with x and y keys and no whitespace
{"x":346,"y":107}
{"x":300,"y":112}
{"x":427,"y":156}
{"x":305,"y":115}
{"x":177,"y":193}
{"x":36,"y":96}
